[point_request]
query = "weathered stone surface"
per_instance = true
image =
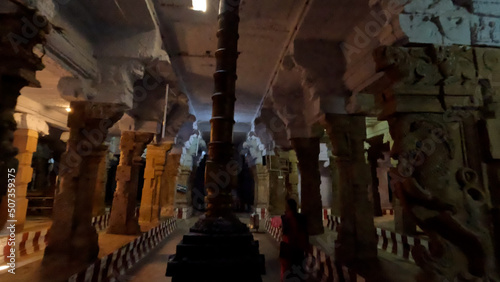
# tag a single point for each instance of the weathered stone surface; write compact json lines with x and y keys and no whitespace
{"x":18,"y":68}
{"x":182,"y":199}
{"x":357,"y":237}
{"x":99,"y":207}
{"x":443,"y":195}
{"x":168,"y":191}
{"x":72,"y":239}
{"x":25,"y":140}
{"x":122,"y":219}
{"x":156,"y":158}
{"x":261,"y":186}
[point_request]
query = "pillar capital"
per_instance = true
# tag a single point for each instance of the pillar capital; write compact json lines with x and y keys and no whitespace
{"x":28,"y":121}
{"x":102,"y":115}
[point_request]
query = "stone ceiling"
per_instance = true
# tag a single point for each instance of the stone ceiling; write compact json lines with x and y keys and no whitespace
{"x":269,"y":30}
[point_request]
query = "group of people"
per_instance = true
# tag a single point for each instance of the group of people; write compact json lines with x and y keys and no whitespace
{"x":294,"y":245}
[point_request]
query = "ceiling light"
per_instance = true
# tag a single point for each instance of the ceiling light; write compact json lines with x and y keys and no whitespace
{"x":200,"y":5}
{"x":68,"y":109}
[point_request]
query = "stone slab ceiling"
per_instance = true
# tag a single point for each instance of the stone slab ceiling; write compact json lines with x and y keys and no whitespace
{"x":190,"y":39}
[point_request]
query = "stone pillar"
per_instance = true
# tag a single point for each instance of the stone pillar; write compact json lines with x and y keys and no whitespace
{"x":489,"y":75}
{"x":293,"y":176}
{"x":99,"y":207}
{"x":123,"y":219}
{"x":375,"y":152}
{"x":307,"y":150}
{"x":261,"y":187}
{"x":156,"y":158}
{"x":382,"y":175}
{"x":277,"y":186}
{"x":183,"y":199}
{"x":168,"y":188}
{"x":431,"y":97}
{"x":72,"y":240}
{"x":25,"y":140}
{"x":357,"y":237}
{"x":18,"y":69}
{"x":335,"y":187}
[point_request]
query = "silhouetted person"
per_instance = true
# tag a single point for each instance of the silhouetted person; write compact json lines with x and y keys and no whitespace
{"x":294,"y":245}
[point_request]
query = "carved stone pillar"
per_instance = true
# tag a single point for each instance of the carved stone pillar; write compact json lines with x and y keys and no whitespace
{"x":431,"y":97}
{"x":489,"y":77}
{"x":122,"y":219}
{"x":375,"y":152}
{"x":18,"y":68}
{"x":336,"y":200}
{"x":357,"y":237}
{"x":261,"y":187}
{"x":307,"y":150}
{"x":99,"y":207}
{"x":183,"y":198}
{"x":25,"y":140}
{"x":156,"y":158}
{"x":168,"y":188}
{"x":277,"y":185}
{"x":72,"y":239}
{"x":293,"y":177}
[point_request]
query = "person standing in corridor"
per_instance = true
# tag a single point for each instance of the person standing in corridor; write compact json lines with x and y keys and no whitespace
{"x":294,"y":245}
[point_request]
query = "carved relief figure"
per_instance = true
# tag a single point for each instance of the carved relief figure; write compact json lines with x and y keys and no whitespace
{"x":444,"y":197}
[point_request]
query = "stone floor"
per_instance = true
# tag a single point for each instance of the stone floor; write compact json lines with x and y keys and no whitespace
{"x":153,"y":266}
{"x":28,"y":267}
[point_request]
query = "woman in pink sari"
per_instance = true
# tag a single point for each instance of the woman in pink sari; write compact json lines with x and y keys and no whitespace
{"x":294,"y":244}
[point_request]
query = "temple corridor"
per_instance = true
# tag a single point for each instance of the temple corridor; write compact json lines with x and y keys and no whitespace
{"x":199,"y":140}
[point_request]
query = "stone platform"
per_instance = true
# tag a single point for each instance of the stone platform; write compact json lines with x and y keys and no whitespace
{"x":217,"y":257}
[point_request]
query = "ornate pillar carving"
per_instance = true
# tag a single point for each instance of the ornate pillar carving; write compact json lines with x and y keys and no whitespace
{"x":183,"y":199}
{"x":156,"y":159}
{"x":488,"y":63}
{"x":357,"y":237}
{"x":168,"y":188}
{"x":431,"y":97}
{"x":261,"y":186}
{"x":307,"y":150}
{"x":72,"y":239}
{"x":25,"y":140}
{"x":123,"y":219}
{"x":277,"y":186}
{"x":18,"y":68}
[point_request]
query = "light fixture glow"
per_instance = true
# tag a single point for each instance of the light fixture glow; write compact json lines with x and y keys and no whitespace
{"x":68,"y":109}
{"x":3,"y":267}
{"x":200,"y":5}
